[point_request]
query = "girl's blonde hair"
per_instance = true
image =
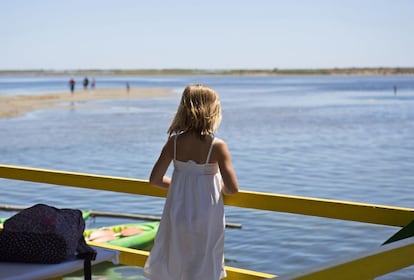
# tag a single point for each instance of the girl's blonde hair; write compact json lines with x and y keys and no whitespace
{"x":199,"y":111}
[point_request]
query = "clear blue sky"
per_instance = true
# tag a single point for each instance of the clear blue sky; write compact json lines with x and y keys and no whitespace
{"x":225,"y":34}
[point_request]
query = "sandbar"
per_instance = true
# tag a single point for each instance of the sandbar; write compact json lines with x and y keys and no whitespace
{"x":13,"y":106}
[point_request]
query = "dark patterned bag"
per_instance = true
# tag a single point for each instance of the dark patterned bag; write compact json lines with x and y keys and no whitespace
{"x":45,"y":234}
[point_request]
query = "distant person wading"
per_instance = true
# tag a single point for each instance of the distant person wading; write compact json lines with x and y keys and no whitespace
{"x":85,"y":83}
{"x":72,"y":83}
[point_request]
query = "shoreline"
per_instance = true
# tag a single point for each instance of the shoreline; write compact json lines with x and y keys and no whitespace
{"x":17,"y":105}
{"x":357,"y":71}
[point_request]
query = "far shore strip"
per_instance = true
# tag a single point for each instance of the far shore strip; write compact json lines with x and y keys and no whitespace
{"x":16,"y":105}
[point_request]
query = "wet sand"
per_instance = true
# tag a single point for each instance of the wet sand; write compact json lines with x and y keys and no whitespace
{"x":13,"y":106}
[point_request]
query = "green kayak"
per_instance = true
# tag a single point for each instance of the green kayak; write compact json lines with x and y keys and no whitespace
{"x":136,"y":236}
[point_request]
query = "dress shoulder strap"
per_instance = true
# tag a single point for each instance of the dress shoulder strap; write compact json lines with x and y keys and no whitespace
{"x":209,"y":151}
{"x":175,"y":146}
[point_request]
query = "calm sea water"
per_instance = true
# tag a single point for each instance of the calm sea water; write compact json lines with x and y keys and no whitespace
{"x":346,"y":138}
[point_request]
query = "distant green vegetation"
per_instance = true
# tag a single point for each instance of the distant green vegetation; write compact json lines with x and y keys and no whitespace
{"x":275,"y":71}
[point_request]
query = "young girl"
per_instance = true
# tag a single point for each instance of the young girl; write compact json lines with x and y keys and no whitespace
{"x":190,"y":240}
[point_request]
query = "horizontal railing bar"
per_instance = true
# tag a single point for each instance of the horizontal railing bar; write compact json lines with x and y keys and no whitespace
{"x":366,"y":265}
{"x":326,"y":208}
{"x":135,"y":257}
{"x":81,"y":180}
{"x":335,"y":209}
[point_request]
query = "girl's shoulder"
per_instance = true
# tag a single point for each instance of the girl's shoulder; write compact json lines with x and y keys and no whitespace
{"x":218,"y":141}
{"x":219,"y":144}
{"x":169,"y":141}
{"x":220,"y":150}
{"x":169,"y":145}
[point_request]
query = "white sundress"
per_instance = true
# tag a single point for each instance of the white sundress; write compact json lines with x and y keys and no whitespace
{"x":190,"y":241}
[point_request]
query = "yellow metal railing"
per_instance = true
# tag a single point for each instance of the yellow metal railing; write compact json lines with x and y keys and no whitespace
{"x":365,"y":265}
{"x":368,"y":213}
{"x":137,"y":258}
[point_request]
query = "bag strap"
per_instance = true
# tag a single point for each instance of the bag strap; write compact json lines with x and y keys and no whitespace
{"x":87,"y":269}
{"x":88,"y":254}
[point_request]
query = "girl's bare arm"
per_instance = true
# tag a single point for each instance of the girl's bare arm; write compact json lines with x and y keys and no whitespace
{"x":157,"y":177}
{"x":226,"y":169}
